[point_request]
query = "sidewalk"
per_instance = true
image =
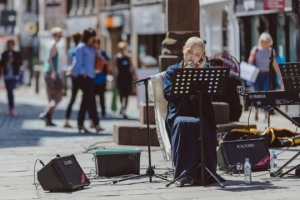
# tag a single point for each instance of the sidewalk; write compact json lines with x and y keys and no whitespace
{"x":24,"y":138}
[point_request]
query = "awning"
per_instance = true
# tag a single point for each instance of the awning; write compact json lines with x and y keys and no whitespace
{"x":261,"y":7}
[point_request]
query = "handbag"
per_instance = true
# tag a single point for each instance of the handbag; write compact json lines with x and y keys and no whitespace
{"x":115,"y":92}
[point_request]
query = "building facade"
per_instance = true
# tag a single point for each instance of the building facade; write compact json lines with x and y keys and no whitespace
{"x":219,"y":27}
{"x":279,"y":18}
{"x":141,"y":23}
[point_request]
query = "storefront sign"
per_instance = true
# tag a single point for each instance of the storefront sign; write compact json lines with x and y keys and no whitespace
{"x":259,"y":7}
{"x":274,"y":5}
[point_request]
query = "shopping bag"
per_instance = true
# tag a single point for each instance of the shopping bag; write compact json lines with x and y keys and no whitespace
{"x":248,"y":72}
{"x":115,"y":95}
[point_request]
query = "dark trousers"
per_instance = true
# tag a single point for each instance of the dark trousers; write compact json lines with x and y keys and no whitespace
{"x":88,"y":102}
{"x":10,"y":86}
{"x":124,"y":101}
{"x":99,"y":91}
{"x":75,"y":88}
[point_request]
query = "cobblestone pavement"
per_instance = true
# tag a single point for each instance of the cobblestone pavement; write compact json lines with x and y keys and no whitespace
{"x":24,"y":139}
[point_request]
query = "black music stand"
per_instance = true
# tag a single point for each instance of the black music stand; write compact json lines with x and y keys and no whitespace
{"x":199,"y":81}
{"x":150,"y":170}
{"x":290,"y":73}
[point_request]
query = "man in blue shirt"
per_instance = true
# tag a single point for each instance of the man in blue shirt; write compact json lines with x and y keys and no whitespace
{"x":85,"y":72}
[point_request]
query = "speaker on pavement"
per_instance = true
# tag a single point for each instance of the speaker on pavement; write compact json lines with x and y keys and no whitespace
{"x":62,"y":174}
{"x":230,"y":153}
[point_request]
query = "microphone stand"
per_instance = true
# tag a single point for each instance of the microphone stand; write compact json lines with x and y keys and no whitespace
{"x":150,"y":170}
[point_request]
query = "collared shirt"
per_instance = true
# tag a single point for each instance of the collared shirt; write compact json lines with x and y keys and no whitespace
{"x":85,"y":60}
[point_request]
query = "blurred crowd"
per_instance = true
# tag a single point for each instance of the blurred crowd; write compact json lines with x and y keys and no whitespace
{"x":88,"y":67}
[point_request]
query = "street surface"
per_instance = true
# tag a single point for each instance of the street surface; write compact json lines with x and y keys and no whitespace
{"x":24,"y":139}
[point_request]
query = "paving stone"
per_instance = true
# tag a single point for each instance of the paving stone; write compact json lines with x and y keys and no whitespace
{"x":24,"y":139}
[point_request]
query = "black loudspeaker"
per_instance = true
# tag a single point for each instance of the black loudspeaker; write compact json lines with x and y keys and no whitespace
{"x":231,"y":153}
{"x":62,"y":174}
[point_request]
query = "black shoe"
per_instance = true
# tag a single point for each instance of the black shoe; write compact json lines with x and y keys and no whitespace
{"x":45,"y":116}
{"x":125,"y":116}
{"x":50,"y":123}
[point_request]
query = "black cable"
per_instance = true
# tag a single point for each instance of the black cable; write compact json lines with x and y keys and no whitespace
{"x":249,"y":116}
{"x":34,"y":183}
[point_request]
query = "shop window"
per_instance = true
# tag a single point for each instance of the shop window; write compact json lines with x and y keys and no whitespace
{"x":114,"y":2}
{"x":80,"y":7}
{"x":280,"y":40}
{"x":53,"y":2}
{"x":255,"y":24}
{"x":294,"y":29}
{"x":149,"y":49}
{"x":225,"y":30}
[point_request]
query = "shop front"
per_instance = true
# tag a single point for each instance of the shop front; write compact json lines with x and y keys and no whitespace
{"x":277,"y":17}
{"x":219,"y":27}
{"x":149,"y":27}
{"x":115,"y":27}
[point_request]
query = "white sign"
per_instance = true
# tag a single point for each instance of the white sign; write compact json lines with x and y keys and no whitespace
{"x":248,"y":72}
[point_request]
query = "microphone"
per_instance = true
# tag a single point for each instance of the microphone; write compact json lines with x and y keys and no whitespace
{"x":191,"y":63}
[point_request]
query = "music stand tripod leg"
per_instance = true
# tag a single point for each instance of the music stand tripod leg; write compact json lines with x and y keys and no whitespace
{"x":281,"y":175}
{"x":150,"y":170}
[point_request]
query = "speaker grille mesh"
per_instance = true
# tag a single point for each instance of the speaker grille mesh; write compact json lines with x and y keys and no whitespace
{"x":255,"y":149}
{"x":71,"y":171}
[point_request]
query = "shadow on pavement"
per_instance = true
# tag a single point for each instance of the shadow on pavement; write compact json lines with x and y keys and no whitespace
{"x":240,"y":186}
{"x":25,"y":129}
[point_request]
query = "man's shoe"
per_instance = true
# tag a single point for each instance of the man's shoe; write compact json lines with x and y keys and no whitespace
{"x":44,"y":116}
{"x":49,"y":123}
{"x":179,"y":183}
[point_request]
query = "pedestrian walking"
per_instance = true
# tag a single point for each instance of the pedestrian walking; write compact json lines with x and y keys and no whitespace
{"x":123,"y":73}
{"x":71,"y":73}
{"x":54,"y":85}
{"x":260,"y":57}
{"x":10,"y":67}
{"x":85,"y":73}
